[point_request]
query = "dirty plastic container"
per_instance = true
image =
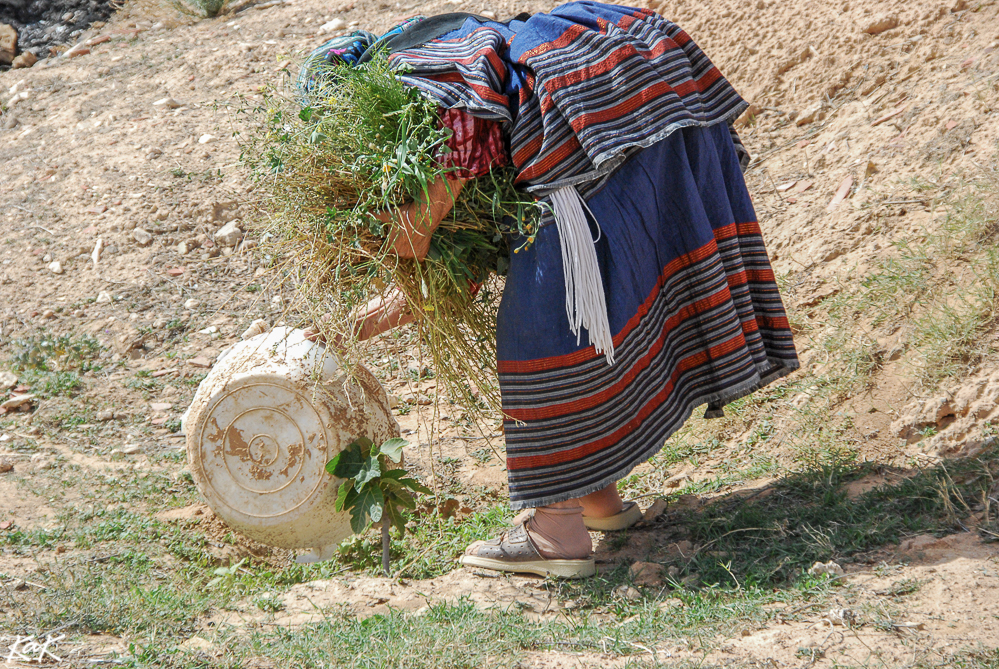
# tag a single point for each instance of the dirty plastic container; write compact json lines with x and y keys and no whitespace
{"x":263,"y":424}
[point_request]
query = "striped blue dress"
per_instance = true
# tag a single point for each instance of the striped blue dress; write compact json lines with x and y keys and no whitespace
{"x":622,"y":105}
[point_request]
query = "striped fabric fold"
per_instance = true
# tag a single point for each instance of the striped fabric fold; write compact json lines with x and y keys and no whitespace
{"x":549,"y":77}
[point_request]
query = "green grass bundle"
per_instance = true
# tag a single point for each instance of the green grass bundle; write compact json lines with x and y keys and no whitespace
{"x":365,"y":145}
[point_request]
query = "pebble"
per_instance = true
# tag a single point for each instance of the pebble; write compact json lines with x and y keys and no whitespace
{"x":647,"y":574}
{"x":160,"y":406}
{"x":167,"y":103}
{"x":657,"y":509}
{"x":26,"y":59}
{"x":6,"y":465}
{"x":191,"y":304}
{"x":48,"y":314}
{"x":141,"y":237}
{"x":330,"y":26}
{"x":18,"y":402}
{"x":78,"y":50}
{"x":104,"y":415}
{"x":626,"y":592}
{"x":131,"y":449}
{"x":882,"y":24}
{"x":103,"y":297}
{"x":229,"y":234}
{"x":257,"y":327}
{"x":55,"y":267}
{"x":7,"y":380}
{"x":204,"y":139}
{"x":831,"y":568}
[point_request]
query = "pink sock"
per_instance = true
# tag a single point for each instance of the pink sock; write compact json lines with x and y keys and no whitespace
{"x":559,"y":533}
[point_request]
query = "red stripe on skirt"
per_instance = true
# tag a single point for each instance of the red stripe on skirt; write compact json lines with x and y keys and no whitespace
{"x":515,"y":463}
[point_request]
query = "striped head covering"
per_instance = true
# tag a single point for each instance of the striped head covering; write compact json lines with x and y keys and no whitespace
{"x":320,"y":66}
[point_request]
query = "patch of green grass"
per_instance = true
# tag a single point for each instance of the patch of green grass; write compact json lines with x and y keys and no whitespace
{"x":770,"y":538}
{"x":52,"y":365}
{"x":432,"y":547}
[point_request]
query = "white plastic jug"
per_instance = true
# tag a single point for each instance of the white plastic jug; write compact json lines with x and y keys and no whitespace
{"x":262,"y":426}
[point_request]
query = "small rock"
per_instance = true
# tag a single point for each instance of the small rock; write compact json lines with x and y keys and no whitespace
{"x":95,"y":255}
{"x":80,"y":49}
{"x":26,"y":59}
{"x":55,"y":267}
{"x":330,"y":26}
{"x":7,"y":380}
{"x":103,"y":297}
{"x":18,"y":402}
{"x":8,"y":43}
{"x":808,"y":115}
{"x":423,"y":400}
{"x":841,"y":617}
{"x":648,"y":574}
{"x":131,"y":449}
{"x":104,"y":415}
{"x":210,"y":330}
{"x":691,"y":580}
{"x":191,"y":304}
{"x":657,"y":509}
{"x":677,"y":481}
{"x":200,"y":361}
{"x":167,"y":103}
{"x":488,"y":14}
{"x":48,"y":314}
{"x":394,"y":401}
{"x":831,"y":568}
{"x":882,"y":24}
{"x":160,"y":406}
{"x":684,"y":549}
{"x":19,"y":585}
{"x":204,"y":139}
{"x":229,"y":234}
{"x":6,"y":466}
{"x":257,"y":327}
{"x":141,"y":237}
{"x":626,"y":592}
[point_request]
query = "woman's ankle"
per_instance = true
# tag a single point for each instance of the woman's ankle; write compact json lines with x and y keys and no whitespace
{"x":602,"y":503}
{"x":559,"y":533}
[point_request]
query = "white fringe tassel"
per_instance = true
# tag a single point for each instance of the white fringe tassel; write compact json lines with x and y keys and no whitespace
{"x":585,"y":304}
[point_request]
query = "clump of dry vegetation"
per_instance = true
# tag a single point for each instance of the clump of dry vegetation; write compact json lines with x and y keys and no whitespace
{"x":362,"y":144}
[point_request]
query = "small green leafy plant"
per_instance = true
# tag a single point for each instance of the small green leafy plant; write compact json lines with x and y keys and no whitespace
{"x":372,"y":491}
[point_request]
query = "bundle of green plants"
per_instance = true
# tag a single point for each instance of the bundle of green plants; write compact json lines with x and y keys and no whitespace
{"x":366,"y":144}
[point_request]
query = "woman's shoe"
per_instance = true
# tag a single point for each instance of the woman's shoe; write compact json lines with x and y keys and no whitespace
{"x":514,"y":551}
{"x":627,"y":517}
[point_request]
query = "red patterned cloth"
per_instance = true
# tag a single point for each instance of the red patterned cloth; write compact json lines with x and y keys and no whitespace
{"x":476,"y":144}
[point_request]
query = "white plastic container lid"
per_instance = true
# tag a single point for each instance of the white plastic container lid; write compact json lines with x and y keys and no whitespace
{"x":262,"y":426}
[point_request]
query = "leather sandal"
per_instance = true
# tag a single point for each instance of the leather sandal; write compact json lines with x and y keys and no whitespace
{"x":628,"y":516}
{"x":513,"y":551}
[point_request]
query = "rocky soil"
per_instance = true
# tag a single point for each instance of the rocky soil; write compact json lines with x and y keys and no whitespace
{"x":46,"y":28}
{"x":127,"y":216}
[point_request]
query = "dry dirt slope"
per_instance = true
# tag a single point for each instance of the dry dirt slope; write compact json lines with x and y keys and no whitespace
{"x":893,"y":103}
